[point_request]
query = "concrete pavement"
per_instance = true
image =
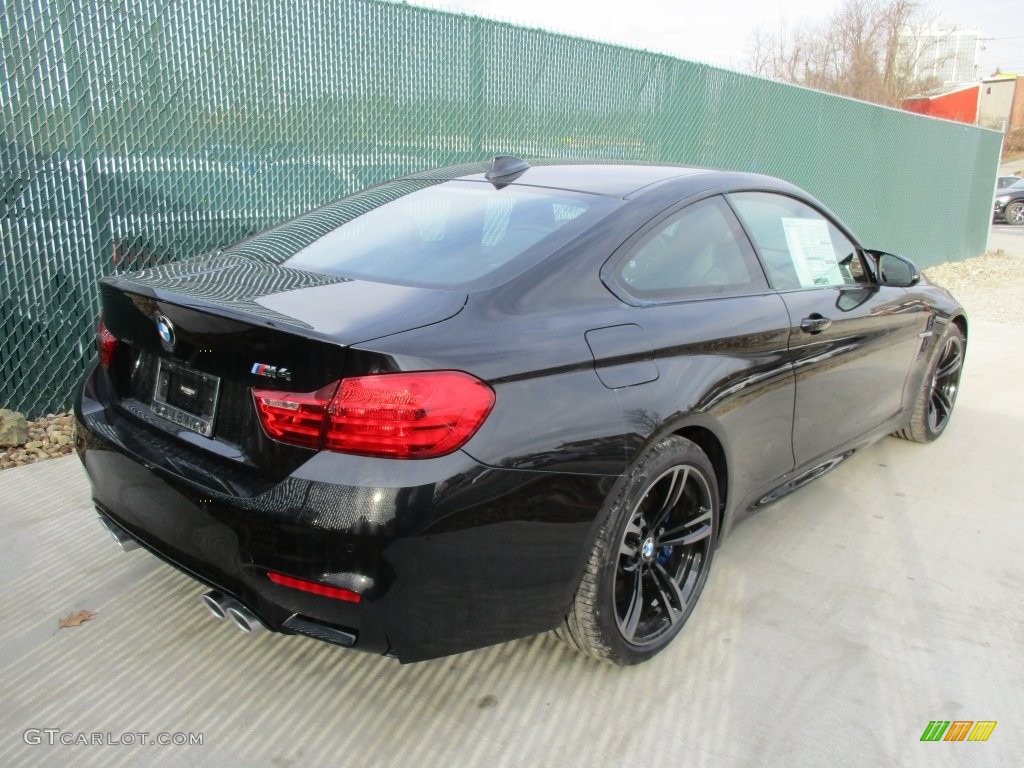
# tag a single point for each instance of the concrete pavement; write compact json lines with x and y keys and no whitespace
{"x":836,"y":624}
{"x":1012,"y":167}
{"x":1008,"y":239}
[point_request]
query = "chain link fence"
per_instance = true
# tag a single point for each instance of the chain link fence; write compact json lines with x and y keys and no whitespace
{"x":138,"y":133}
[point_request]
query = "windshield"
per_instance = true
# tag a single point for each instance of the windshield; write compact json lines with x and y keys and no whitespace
{"x":451,"y":233}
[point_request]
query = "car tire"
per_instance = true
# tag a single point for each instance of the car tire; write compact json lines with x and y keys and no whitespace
{"x":650,"y":558}
{"x":1014,"y":213}
{"x":937,"y":396}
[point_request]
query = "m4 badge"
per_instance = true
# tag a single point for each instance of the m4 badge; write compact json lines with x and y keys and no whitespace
{"x":271,"y":371}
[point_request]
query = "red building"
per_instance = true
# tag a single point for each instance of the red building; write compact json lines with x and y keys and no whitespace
{"x":958,"y":102}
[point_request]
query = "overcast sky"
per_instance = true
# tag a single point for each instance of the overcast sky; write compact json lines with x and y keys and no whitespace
{"x":719,"y":31}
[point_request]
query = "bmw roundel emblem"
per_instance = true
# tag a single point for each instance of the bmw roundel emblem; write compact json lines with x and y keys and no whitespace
{"x":165,"y":328}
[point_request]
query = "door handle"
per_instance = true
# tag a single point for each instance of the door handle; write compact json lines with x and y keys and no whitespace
{"x":814,"y":323}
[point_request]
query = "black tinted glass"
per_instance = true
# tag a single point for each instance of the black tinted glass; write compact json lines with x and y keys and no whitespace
{"x":697,"y":251}
{"x":451,"y":233}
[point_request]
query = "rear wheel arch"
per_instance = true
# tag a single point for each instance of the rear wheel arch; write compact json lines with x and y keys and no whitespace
{"x":706,"y":433}
{"x":710,"y":443}
{"x":650,"y":556}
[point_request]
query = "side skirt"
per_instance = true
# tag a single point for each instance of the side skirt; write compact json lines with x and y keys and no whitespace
{"x":801,"y":480}
{"x":797,"y":479}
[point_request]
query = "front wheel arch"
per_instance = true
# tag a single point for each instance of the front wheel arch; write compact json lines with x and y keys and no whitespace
{"x":936,"y":395}
{"x":961,"y":322}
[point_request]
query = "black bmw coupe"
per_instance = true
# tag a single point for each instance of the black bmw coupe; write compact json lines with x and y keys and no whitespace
{"x":487,"y":401}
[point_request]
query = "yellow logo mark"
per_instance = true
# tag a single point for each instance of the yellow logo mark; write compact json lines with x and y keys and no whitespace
{"x":982,"y":730}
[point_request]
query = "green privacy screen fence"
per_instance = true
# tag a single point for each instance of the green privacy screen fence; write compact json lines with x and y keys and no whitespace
{"x":139,"y":132}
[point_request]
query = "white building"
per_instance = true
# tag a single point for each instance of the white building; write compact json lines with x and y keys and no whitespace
{"x":951,"y":55}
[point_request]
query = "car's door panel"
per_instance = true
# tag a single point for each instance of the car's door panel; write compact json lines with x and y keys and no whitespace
{"x":850,"y":374}
{"x":852,"y":341}
{"x":727,"y":360}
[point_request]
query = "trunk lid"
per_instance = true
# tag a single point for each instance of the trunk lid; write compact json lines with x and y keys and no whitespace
{"x":195,"y":337}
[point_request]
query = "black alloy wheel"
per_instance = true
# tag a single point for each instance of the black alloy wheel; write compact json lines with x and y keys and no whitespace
{"x":651,"y":557}
{"x":937,"y":395}
{"x":945,"y":383}
{"x":662,"y":555}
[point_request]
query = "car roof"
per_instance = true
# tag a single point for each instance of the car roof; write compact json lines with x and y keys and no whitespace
{"x":596,"y":178}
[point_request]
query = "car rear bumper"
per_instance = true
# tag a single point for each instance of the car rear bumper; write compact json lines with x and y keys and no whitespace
{"x":447,"y":554}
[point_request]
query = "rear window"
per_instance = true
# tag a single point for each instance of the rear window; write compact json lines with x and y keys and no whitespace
{"x":452,"y":233}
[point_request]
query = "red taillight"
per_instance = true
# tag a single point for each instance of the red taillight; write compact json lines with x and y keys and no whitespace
{"x":395,"y":415}
{"x":407,"y":415}
{"x":294,"y":417}
{"x":106,"y":344}
{"x":338,"y":593}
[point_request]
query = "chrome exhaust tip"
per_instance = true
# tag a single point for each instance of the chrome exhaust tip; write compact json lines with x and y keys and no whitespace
{"x":120,"y":535}
{"x":218,"y":604}
{"x":244,"y":619}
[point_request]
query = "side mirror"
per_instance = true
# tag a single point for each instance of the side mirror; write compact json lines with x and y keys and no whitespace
{"x":896,"y":271}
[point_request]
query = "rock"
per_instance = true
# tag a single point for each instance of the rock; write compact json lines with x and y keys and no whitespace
{"x":33,"y":446}
{"x":13,"y":428}
{"x":63,"y":439}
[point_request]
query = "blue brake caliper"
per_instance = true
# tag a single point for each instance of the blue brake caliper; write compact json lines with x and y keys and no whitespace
{"x":664,"y":554}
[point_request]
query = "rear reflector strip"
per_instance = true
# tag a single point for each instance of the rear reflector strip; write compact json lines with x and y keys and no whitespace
{"x":313,"y":587}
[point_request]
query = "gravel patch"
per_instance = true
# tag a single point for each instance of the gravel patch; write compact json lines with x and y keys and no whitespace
{"x":991,"y":287}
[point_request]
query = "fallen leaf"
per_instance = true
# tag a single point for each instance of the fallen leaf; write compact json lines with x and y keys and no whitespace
{"x":75,"y":619}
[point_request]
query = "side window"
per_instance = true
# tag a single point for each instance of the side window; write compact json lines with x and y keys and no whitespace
{"x":799,"y":247}
{"x":697,"y":251}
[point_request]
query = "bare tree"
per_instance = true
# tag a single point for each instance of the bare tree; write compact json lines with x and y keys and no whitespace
{"x":861,"y":51}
